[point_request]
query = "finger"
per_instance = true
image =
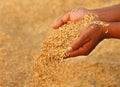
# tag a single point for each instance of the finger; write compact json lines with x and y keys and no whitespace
{"x":85,"y":50}
{"x":82,"y":39}
{"x":78,"y":43}
{"x":62,"y":20}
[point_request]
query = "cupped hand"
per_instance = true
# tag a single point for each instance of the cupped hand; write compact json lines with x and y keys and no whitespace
{"x":87,"y":40}
{"x":72,"y":15}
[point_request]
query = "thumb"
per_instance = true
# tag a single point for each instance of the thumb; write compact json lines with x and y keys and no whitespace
{"x":77,"y":44}
{"x":63,"y":20}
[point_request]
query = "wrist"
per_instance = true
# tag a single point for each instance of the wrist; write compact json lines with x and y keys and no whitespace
{"x":95,"y":11}
{"x":105,"y":30}
{"x":102,"y":15}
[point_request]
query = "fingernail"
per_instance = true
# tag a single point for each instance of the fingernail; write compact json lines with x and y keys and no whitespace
{"x":52,"y":26}
{"x":70,"y":49}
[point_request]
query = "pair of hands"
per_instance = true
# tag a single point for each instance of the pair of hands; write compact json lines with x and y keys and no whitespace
{"x":89,"y":37}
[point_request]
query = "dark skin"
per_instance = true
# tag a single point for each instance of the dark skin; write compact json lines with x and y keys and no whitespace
{"x":93,"y":34}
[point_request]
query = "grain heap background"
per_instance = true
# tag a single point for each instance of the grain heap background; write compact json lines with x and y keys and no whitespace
{"x":23,"y":26}
{"x":49,"y":67}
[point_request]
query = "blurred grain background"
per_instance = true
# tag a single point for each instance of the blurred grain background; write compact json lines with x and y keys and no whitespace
{"x":23,"y":26}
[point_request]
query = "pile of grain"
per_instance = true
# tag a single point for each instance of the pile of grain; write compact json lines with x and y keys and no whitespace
{"x":54,"y":47}
{"x":23,"y":29}
{"x":53,"y":50}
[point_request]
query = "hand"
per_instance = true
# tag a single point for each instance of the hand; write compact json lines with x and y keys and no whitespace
{"x":71,"y":16}
{"x":87,"y":41}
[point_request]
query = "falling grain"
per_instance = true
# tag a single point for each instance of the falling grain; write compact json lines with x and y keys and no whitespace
{"x":53,"y":51}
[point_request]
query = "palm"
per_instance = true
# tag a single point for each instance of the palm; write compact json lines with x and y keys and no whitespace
{"x":71,"y":16}
{"x":87,"y":41}
{"x":77,"y":14}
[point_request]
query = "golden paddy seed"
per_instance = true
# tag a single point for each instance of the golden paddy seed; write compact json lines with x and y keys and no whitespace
{"x":55,"y":45}
{"x":53,"y":49}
